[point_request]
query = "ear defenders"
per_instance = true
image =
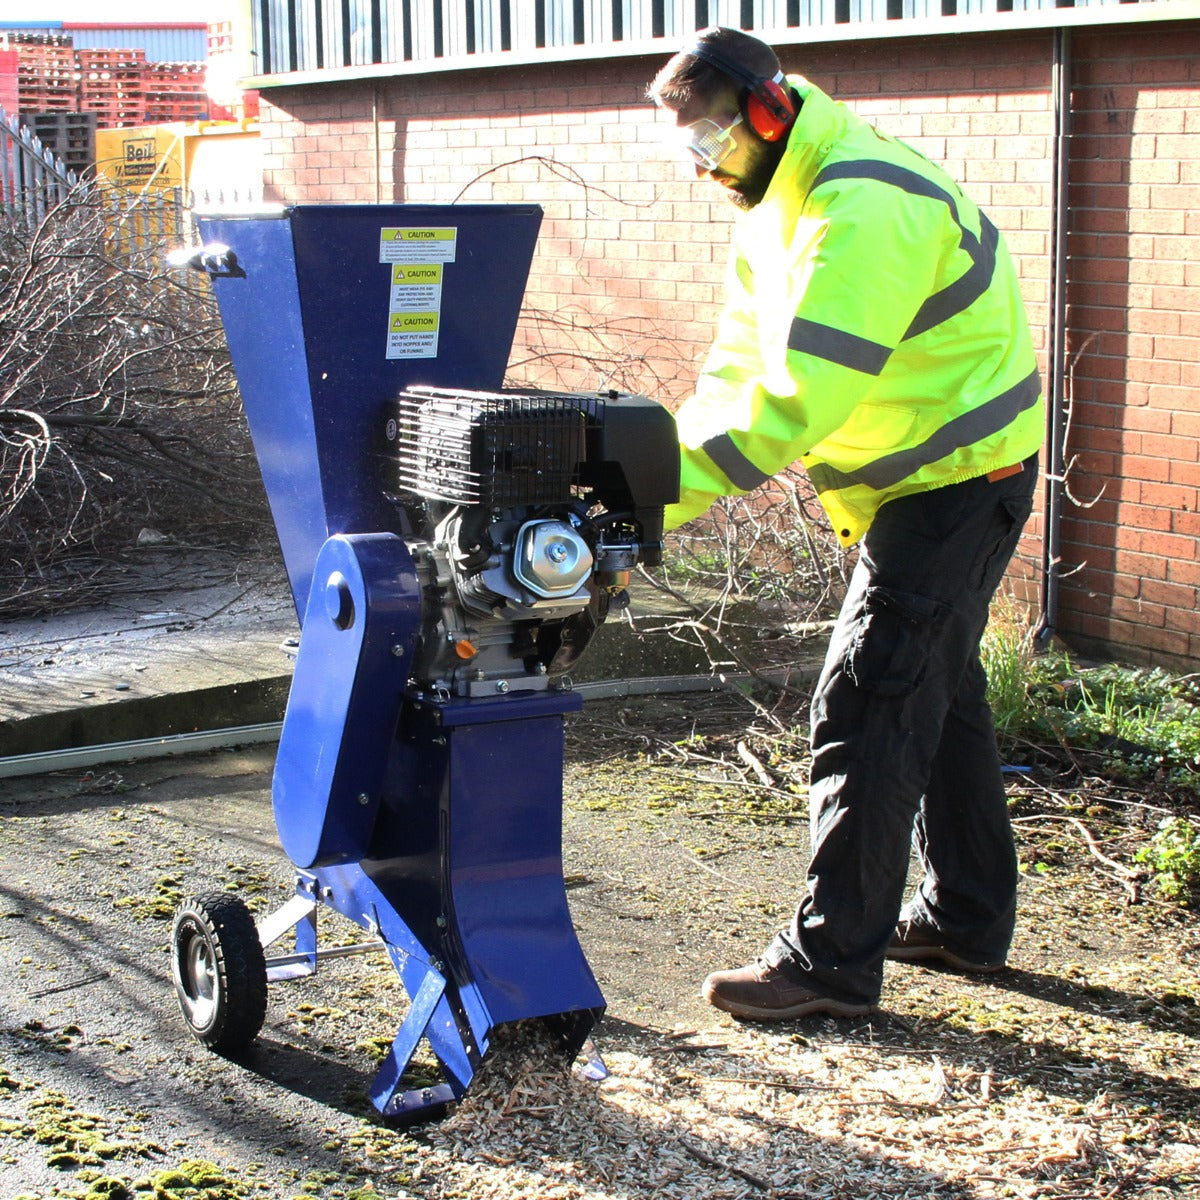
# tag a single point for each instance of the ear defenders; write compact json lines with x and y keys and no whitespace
{"x":766,"y":104}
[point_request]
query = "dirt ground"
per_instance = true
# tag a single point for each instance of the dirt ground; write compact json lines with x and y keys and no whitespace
{"x":1074,"y":1073}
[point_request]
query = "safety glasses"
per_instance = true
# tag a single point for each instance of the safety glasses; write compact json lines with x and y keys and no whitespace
{"x":710,"y":144}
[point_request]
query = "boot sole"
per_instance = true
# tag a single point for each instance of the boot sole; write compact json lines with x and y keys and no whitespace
{"x":818,"y":1006}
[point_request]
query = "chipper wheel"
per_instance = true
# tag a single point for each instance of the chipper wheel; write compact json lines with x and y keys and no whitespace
{"x":220,"y":971}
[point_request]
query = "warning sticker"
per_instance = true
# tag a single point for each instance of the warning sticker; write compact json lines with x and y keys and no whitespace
{"x":416,"y":257}
{"x":416,"y":287}
{"x":410,"y":244}
{"x":413,"y":334}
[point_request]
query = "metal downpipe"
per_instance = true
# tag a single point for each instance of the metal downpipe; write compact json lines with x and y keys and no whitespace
{"x":1056,"y":341}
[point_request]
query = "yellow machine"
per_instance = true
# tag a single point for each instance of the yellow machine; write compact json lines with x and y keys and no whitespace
{"x":213,"y":158}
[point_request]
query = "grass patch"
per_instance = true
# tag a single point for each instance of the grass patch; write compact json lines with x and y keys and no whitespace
{"x":1133,"y":725}
{"x":1142,"y":723}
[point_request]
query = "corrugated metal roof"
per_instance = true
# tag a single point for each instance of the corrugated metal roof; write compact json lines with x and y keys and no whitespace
{"x":162,"y":43}
{"x":169,"y":42}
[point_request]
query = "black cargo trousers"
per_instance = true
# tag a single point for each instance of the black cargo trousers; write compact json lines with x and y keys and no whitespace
{"x":904,"y":747}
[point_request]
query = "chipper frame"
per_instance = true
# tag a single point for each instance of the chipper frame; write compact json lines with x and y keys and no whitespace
{"x":451,"y":546}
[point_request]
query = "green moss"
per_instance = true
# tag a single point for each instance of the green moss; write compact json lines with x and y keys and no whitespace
{"x":108,"y":1188}
{"x":376,"y":1047}
{"x":73,"y":1139}
{"x":160,"y":905}
{"x":193,"y":1179}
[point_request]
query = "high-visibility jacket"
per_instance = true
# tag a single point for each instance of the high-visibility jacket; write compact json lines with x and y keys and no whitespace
{"x":874,"y":330}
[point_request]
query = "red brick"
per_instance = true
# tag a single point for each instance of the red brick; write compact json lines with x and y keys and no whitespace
{"x":1154,"y":370}
{"x":1166,"y":545}
{"x":1185,"y":419}
{"x":1154,"y":470}
{"x":1169,"y":595}
{"x":1179,"y":348}
{"x":1184,"y":619}
{"x":1156,"y":321}
{"x":1184,"y":474}
{"x":1164,"y":641}
{"x":1140,"y":566}
{"x":1185,"y":518}
{"x":1125,"y":587}
{"x":1147,"y":420}
{"x":1139,"y":610}
{"x":1171,"y":446}
{"x":1179,"y":571}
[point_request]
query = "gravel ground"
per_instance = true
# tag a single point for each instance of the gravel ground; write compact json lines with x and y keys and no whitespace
{"x":1075,"y":1073}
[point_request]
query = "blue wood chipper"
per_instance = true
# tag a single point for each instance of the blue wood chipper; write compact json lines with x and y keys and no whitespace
{"x":451,"y":546}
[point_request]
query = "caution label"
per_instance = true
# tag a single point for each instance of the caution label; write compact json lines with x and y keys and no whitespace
{"x":412,"y":244}
{"x":416,"y":287}
{"x":416,"y":255}
{"x":413,"y":334}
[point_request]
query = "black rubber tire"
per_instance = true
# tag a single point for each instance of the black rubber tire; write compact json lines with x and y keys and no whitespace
{"x":220,"y":971}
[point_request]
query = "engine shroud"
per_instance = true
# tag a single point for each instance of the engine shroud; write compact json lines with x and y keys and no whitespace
{"x":527,"y":512}
{"x":495,"y":449}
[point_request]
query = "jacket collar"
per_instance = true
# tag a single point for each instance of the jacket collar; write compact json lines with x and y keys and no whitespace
{"x":818,"y":124}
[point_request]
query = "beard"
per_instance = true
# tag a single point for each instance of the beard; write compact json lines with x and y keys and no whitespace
{"x":748,"y":188}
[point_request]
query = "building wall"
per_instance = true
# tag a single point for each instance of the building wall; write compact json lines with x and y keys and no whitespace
{"x":1134,"y":343}
{"x":9,"y":96}
{"x":626,"y":283}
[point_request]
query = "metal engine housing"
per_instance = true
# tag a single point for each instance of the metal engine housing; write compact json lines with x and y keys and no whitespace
{"x":527,"y":512}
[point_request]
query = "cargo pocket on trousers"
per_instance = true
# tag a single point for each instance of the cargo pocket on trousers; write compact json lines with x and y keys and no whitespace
{"x":889,"y":652}
{"x":1011,"y":516}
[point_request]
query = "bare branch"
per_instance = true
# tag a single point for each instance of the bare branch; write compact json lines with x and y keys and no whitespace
{"x":117,"y":403}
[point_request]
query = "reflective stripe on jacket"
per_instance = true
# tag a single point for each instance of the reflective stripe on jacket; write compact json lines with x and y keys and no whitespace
{"x":874,"y":329}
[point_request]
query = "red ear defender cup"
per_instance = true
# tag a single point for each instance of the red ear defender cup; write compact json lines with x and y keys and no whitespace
{"x":769,"y":111}
{"x":766,"y":103}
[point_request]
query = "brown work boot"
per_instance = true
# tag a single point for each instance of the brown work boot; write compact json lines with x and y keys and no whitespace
{"x":761,"y":992}
{"x":913,"y":943}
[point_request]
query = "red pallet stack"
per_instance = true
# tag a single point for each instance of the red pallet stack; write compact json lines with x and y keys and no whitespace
{"x":220,"y":37}
{"x":74,"y":90}
{"x":227,"y":101}
{"x":174,"y":92}
{"x":46,"y":72}
{"x":112,"y":85}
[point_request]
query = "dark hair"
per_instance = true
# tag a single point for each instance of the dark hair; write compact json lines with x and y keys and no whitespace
{"x":686,"y":74}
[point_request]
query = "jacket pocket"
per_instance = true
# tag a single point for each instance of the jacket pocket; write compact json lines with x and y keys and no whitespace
{"x":889,"y":651}
{"x":868,"y":433}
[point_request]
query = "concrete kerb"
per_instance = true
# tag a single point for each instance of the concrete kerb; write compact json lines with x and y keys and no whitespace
{"x":92,"y":688}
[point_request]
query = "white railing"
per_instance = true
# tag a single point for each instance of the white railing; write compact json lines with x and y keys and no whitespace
{"x":334,"y":35}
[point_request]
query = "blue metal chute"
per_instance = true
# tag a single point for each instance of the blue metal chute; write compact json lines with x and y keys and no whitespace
{"x":306,"y":309}
{"x":351,"y":674}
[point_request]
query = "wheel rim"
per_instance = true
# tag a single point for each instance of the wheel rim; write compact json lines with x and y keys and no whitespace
{"x":198,"y":982}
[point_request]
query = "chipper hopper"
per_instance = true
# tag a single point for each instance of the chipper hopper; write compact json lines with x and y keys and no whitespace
{"x":451,"y":547}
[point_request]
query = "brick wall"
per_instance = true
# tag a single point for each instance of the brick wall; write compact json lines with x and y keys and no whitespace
{"x":626,"y":281}
{"x":1134,"y":341}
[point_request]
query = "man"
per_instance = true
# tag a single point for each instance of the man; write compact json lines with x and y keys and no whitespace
{"x":873,"y":330}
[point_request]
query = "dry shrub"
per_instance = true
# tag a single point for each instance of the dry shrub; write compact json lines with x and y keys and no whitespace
{"x":118,"y":406}
{"x":772,"y":548}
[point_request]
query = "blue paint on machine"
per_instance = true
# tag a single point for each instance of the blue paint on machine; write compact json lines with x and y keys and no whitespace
{"x":451,"y":545}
